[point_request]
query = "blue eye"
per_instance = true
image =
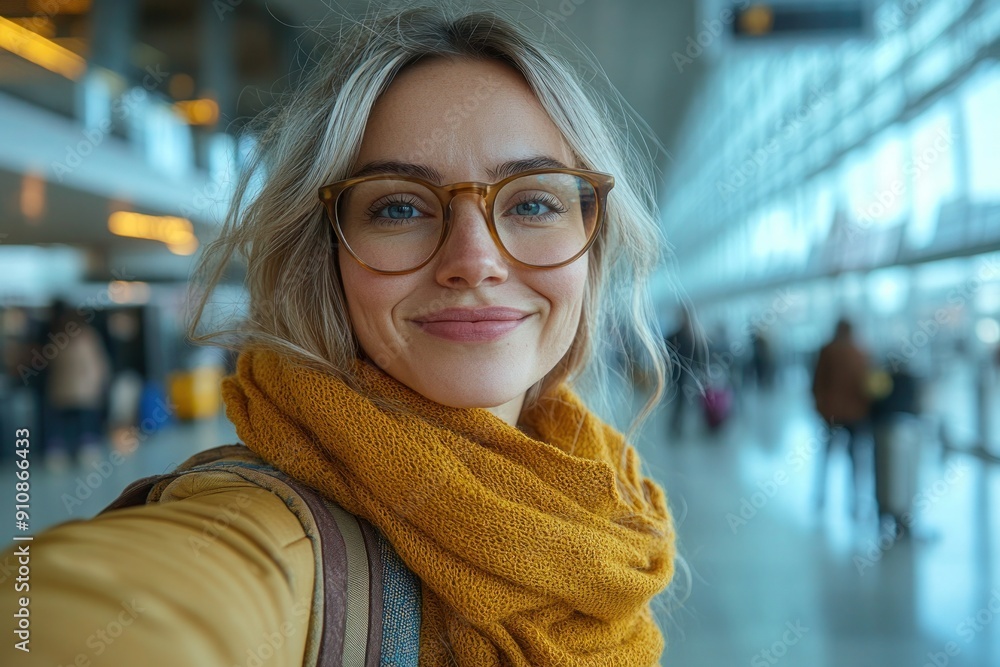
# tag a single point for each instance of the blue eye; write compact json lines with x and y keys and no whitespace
{"x":398,"y":212}
{"x":531,"y":208}
{"x":395,"y":210}
{"x":541,"y":206}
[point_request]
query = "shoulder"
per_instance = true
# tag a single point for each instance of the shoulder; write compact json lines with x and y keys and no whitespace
{"x":198,"y":577}
{"x":216,"y":501}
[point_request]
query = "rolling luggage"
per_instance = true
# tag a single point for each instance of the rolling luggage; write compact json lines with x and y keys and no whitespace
{"x":717,"y":403}
{"x":897,"y":459}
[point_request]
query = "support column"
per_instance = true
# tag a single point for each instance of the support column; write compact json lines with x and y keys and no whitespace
{"x":113,"y":28}
{"x":216,"y":65}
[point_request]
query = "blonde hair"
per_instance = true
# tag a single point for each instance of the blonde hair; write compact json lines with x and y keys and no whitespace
{"x":312,"y":138}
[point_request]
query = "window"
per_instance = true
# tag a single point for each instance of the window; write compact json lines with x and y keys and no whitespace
{"x":930,"y":171}
{"x":980,"y":100}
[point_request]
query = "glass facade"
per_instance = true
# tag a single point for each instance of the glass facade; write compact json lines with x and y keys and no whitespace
{"x":818,"y":159}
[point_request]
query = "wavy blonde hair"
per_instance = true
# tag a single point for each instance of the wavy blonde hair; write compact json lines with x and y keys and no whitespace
{"x":312,"y":137}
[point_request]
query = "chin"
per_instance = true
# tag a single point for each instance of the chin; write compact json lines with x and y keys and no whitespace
{"x":470,"y":387}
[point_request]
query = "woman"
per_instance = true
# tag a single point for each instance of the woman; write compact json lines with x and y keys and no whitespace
{"x":407,"y":352}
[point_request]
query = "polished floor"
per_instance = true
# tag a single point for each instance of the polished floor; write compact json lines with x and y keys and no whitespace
{"x":772,"y":580}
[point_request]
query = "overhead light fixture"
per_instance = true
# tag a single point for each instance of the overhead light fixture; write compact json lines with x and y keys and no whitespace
{"x":60,"y":7}
{"x":757,"y":20}
{"x":204,"y":111}
{"x":128,"y":291}
{"x":42,"y":51}
{"x":802,"y":18}
{"x":40,"y":25}
{"x":32,"y":196}
{"x":176,"y":233}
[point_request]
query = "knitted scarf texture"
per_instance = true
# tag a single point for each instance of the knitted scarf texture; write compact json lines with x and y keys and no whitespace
{"x":529,"y":551}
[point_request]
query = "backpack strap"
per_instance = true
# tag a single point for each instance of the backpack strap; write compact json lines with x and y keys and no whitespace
{"x":357,"y":605}
{"x":347,"y":624}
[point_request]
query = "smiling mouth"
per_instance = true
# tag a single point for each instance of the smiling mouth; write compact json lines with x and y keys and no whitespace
{"x":472,"y":325}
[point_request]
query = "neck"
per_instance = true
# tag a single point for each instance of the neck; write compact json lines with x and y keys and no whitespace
{"x":510,"y":411}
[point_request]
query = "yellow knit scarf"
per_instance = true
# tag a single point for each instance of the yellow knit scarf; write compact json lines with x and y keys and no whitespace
{"x":530,"y":552}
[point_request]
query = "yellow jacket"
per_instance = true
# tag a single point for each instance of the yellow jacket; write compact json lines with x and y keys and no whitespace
{"x":216,"y":574}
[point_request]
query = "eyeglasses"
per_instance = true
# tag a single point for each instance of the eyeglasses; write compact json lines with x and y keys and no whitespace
{"x":541,"y":218}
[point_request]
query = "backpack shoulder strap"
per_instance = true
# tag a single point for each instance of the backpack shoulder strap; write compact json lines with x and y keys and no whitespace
{"x":346,"y":627}
{"x":363,"y":626}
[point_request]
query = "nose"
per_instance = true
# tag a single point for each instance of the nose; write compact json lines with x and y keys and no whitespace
{"x":470,"y":257}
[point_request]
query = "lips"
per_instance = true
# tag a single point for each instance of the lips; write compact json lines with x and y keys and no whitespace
{"x":494,"y":313}
{"x":472,"y":325}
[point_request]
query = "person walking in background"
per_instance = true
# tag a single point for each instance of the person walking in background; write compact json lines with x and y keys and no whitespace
{"x":720,"y":380}
{"x":840,"y":391}
{"x":761,"y":360}
{"x":77,"y":385}
{"x":686,"y":355}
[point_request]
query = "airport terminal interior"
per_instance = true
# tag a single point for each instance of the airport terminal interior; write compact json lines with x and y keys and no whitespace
{"x":825,"y":172}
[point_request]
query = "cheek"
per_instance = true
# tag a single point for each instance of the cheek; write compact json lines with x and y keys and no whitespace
{"x":565,"y":290}
{"x":370,"y":302}
{"x":356,"y":292}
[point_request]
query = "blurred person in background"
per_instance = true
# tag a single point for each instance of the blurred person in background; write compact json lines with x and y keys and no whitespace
{"x":687,"y":355}
{"x":76,"y":387}
{"x":841,"y":395}
{"x":428,"y":263}
{"x":761,"y":364}
{"x":720,"y":379}
{"x":896,"y":438}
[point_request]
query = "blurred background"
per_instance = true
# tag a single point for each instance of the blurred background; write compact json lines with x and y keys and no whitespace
{"x":829,"y":180}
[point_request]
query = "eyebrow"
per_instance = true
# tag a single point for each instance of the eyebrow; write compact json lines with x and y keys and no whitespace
{"x":402,"y":168}
{"x":499,"y":172}
{"x":512,"y":167}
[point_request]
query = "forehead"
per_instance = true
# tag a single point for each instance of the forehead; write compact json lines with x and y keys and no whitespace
{"x":460,"y":117}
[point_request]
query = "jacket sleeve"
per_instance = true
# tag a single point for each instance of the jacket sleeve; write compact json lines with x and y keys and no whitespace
{"x":216,"y":574}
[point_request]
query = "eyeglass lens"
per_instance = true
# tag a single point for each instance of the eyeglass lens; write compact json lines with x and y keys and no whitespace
{"x":541,"y":219}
